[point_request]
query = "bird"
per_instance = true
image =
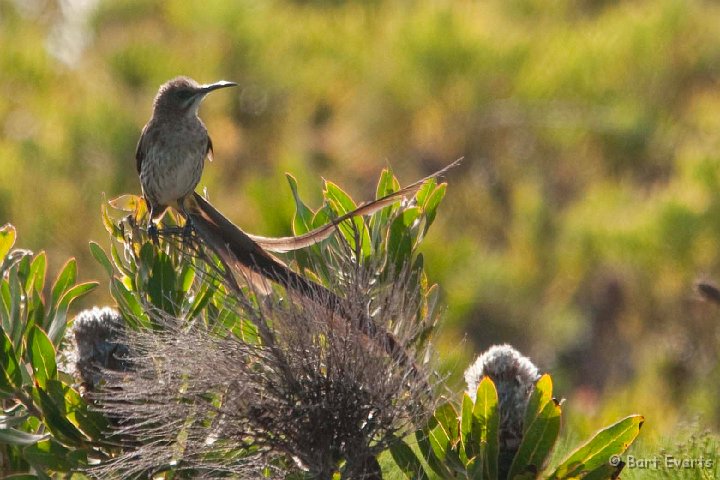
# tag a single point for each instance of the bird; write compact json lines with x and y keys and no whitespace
{"x":170,"y":155}
{"x":170,"y":158}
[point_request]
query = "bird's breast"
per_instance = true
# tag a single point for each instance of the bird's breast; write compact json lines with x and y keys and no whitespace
{"x":173,"y":162}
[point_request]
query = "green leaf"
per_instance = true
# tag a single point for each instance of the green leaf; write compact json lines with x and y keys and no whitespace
{"x":426,"y":449}
{"x":18,"y":437}
{"x":42,"y":356}
{"x":423,"y":194}
{"x":596,"y":452}
{"x":322,"y":216}
{"x":439,"y":434}
{"x":406,"y":460}
{"x":187,"y":276}
{"x":90,"y":422}
{"x":400,"y":241}
{"x":18,"y":314}
{"x":486,"y":422}
{"x":432,"y":203}
{"x":36,"y":309}
{"x":444,"y":436}
{"x":61,"y":428}
{"x":146,"y":262}
{"x":117,"y":261}
{"x":108,"y":223}
{"x":126,"y":203}
{"x":468,"y":450}
{"x":14,"y":419}
{"x":357,"y":235}
{"x":605,"y":472}
{"x":134,"y":312}
{"x":64,"y":280}
{"x":23,"y":271}
{"x":387,"y":184}
{"x":449,"y":419}
{"x":58,"y":323}
{"x":207,"y":290}
{"x":38,"y":271}
{"x":341,"y":202}
{"x":248,"y":332}
{"x":7,"y":240}
{"x":541,"y":429}
{"x":5,"y":306}
{"x":99,"y":254}
{"x":302,"y":220}
{"x":353,"y":230}
{"x":12,"y":259}
{"x":162,"y":283}
{"x":184,"y":282}
{"x":541,"y":395}
{"x":10,"y":376}
{"x":51,"y":455}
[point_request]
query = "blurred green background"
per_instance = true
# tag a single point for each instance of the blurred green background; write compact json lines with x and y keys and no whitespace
{"x":587,"y":206}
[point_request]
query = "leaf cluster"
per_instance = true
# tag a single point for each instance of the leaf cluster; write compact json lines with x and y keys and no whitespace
{"x":388,"y":241}
{"x":176,"y":278}
{"x":465,"y":444}
{"x":45,"y":424}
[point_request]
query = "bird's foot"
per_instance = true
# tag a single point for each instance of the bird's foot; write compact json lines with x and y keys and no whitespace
{"x":153,"y":233}
{"x":188,"y":229}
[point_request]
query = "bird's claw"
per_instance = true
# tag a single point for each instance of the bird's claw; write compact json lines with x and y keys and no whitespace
{"x":187,"y":230}
{"x":153,"y":233}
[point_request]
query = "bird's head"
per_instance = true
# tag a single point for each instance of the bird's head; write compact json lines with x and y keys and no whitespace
{"x":182,"y":95}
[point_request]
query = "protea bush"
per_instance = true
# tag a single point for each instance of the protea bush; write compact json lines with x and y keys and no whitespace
{"x":199,"y":370}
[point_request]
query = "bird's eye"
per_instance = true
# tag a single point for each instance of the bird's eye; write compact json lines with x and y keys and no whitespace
{"x":184,"y":94}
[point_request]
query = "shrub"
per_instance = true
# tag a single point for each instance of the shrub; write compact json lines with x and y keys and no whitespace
{"x":204,"y":371}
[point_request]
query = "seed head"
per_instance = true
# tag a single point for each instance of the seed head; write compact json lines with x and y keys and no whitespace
{"x":514,"y":376}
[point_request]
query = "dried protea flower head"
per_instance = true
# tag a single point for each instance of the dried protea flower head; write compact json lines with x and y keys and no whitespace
{"x":514,"y":376}
{"x":186,"y":391}
{"x":332,"y":394}
{"x":97,"y":344}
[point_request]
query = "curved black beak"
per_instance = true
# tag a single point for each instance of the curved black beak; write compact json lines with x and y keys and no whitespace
{"x":217,"y":85}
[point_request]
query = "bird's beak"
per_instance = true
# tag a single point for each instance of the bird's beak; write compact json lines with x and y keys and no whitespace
{"x":205,"y":89}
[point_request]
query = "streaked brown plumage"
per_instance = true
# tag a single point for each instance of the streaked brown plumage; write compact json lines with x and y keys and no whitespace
{"x":174,"y":144}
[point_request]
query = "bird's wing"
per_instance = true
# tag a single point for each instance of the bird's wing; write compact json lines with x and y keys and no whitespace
{"x":140,"y":150}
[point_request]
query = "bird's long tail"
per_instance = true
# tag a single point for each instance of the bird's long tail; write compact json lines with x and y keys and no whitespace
{"x":248,"y":254}
{"x":237,"y":249}
{"x":287,"y":244}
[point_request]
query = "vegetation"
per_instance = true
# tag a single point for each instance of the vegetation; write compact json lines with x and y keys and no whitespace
{"x":466,"y":445}
{"x":204,"y":377}
{"x":45,"y":423}
{"x":583,"y":215}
